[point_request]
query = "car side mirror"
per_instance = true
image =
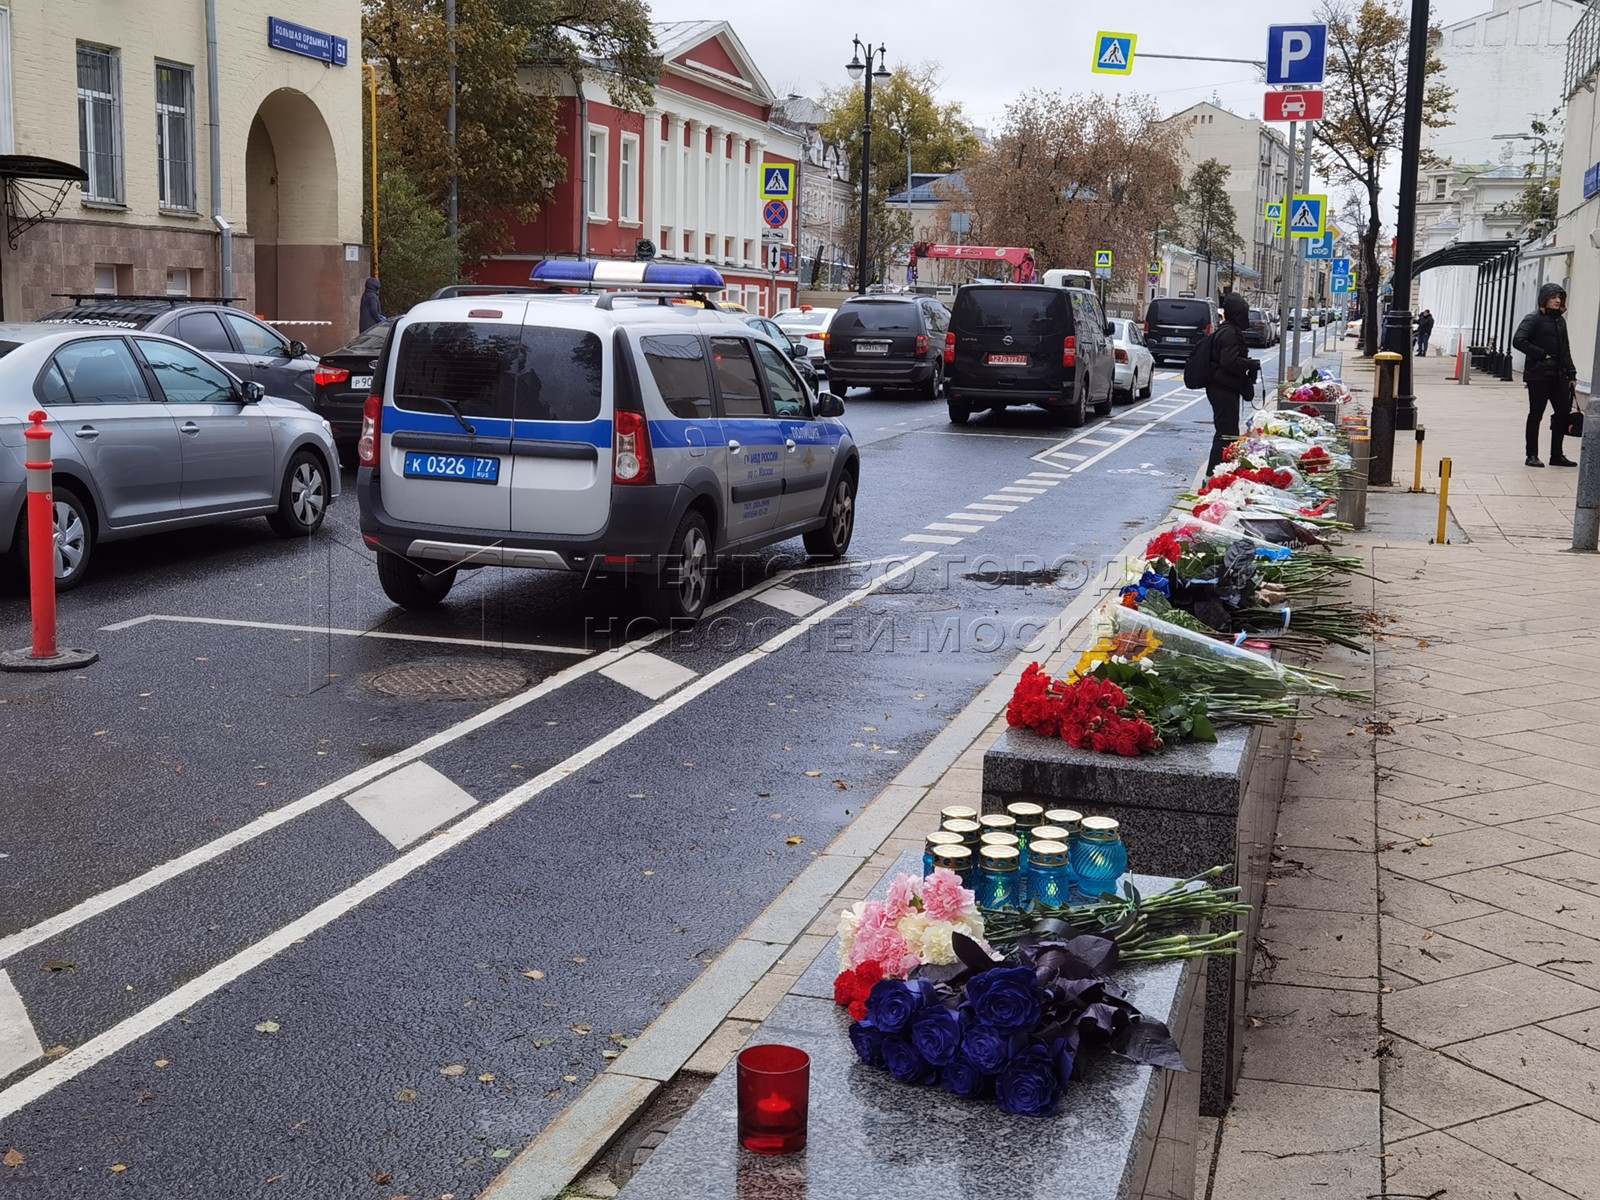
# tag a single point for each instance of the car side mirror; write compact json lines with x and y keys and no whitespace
{"x":296,"y":349}
{"x":252,"y":391}
{"x":797,"y":351}
{"x":829,"y":405}
{"x":1111,"y":330}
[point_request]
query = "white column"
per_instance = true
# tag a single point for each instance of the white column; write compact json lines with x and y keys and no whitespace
{"x":649,"y":168}
{"x":676,"y":214}
{"x":693,"y":201}
{"x":758,"y":150}
{"x":713,"y":186}
{"x":744,"y":196}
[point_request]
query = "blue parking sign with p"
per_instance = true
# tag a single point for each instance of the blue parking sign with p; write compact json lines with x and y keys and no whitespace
{"x":1296,"y":54}
{"x":1340,"y":283}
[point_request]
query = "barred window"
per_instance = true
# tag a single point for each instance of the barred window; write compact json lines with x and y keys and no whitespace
{"x":175,"y":135}
{"x":100,"y":122}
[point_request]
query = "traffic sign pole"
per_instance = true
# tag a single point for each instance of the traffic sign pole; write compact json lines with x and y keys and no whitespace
{"x":1300,"y":258}
{"x":1283,"y":277}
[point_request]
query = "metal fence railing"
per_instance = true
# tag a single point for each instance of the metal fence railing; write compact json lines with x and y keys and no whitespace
{"x":1583,"y":51}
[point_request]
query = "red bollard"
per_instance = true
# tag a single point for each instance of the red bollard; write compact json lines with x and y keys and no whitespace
{"x":43,"y":655}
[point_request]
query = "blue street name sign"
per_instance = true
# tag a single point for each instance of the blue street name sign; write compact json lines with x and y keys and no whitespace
{"x":313,"y":43}
{"x":1296,"y":54}
{"x":1322,"y":248}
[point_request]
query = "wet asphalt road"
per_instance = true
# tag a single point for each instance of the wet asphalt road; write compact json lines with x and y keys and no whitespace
{"x":314,"y":1050}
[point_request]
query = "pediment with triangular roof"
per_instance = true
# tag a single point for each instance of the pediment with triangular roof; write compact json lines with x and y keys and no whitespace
{"x":710,"y":53}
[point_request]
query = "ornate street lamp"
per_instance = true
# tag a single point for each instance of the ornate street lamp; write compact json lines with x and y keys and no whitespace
{"x":857,"y":70}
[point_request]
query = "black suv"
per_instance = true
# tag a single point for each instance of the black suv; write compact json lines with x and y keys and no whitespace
{"x":1173,"y":328}
{"x":1028,"y":344}
{"x":888,"y":341}
{"x":1259,"y":331}
{"x":252,"y":350}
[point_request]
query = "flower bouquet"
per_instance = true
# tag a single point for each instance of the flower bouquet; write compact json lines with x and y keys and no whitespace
{"x":912,"y":926}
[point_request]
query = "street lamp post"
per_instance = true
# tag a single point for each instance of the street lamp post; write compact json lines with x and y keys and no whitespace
{"x":858,"y":70}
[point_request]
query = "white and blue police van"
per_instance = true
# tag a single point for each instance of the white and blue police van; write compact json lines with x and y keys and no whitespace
{"x":617,"y":423}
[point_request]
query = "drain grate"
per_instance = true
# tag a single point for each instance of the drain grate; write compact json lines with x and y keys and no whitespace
{"x":447,"y":679}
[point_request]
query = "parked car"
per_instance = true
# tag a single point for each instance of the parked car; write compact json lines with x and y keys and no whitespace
{"x":599,"y":435}
{"x":253,"y":350}
{"x":1173,"y":326}
{"x":1020,"y":343}
{"x":149,"y":436}
{"x":889,"y":342}
{"x":1135,"y":366}
{"x":793,"y":347}
{"x":1260,"y":331}
{"x":810,"y":325}
{"x":343,"y":378}
{"x":1299,"y":318}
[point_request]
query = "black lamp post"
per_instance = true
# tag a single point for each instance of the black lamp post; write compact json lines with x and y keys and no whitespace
{"x":1397,"y":328}
{"x":857,"y":70}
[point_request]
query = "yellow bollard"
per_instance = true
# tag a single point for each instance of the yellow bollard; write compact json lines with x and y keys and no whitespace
{"x":1444,"y":500}
{"x":1416,"y":481}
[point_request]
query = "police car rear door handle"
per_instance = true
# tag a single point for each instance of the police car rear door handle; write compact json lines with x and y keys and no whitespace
{"x":734,"y":446}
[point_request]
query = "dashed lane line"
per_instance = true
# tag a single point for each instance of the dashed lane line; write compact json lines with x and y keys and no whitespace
{"x":972,"y":516}
{"x":531,"y":647}
{"x":947,"y":527}
{"x":180,"y":1000}
{"x":1011,"y":498}
{"x":649,"y":674}
{"x":932,"y":539}
{"x":1002,"y":508}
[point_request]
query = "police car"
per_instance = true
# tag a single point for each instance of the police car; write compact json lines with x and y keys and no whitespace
{"x":604,"y":432}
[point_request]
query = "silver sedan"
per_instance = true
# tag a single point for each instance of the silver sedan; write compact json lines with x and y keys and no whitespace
{"x":1135,"y":365}
{"x":149,"y":435}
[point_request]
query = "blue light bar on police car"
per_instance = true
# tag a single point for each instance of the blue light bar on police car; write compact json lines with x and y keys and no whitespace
{"x":602,"y":273}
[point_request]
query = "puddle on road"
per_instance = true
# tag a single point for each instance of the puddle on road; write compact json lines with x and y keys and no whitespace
{"x":1048,"y":577}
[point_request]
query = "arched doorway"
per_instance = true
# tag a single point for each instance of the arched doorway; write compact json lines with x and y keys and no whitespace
{"x":291,"y":208}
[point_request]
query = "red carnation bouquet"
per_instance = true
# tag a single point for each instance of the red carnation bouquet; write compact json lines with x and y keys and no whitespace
{"x":1088,"y":713}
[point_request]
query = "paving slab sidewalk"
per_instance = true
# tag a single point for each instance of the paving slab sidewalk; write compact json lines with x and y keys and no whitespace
{"x":1426,"y":1020}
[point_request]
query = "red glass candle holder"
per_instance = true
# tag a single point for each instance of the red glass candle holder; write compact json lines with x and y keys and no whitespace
{"x":774,"y":1091}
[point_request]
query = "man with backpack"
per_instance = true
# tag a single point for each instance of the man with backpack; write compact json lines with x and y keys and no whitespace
{"x":1221,"y":364}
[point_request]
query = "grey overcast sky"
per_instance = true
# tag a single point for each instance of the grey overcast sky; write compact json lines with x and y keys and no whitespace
{"x":991,"y":51}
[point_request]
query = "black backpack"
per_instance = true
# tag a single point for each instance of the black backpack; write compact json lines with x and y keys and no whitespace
{"x":1202,"y":363}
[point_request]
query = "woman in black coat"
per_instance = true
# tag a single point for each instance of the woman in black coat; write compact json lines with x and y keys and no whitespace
{"x":1548,"y":372}
{"x":1233,"y":375}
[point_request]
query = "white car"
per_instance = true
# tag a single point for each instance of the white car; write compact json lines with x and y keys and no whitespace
{"x":1135,"y":364}
{"x":809,"y":326}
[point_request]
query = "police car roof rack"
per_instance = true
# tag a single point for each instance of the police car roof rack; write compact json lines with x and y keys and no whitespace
{"x":663,"y":296}
{"x":455,"y":290}
{"x":108,"y":298}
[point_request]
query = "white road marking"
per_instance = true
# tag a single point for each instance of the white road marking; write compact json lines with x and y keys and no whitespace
{"x":19,"y":1044}
{"x":1047,"y":475}
{"x":649,"y":674}
{"x":972,"y":516}
{"x":791,"y":600}
{"x":1011,"y":498}
{"x":946,"y":527}
{"x":1024,"y":491}
{"x":179,"y":1001}
{"x":357,"y":633}
{"x":1141,"y":431}
{"x":1064,"y":454}
{"x":1036,"y":482}
{"x":1091,"y":442}
{"x":413,"y":801}
{"x":1003,"y":508}
{"x":13,"y":944}
{"x":932,"y":539}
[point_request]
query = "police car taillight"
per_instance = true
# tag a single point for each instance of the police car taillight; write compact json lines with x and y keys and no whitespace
{"x":371,"y":430}
{"x":631,"y":454}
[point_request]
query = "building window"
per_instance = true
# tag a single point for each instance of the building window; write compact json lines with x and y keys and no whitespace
{"x":596,"y":174}
{"x":1440,"y":186}
{"x":177,"y":281}
{"x":100,"y":122}
{"x":105,"y":279}
{"x":175,"y":135}
{"x":628,"y":179}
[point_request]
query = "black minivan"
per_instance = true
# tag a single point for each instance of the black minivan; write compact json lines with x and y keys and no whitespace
{"x":888,"y":341}
{"x":1173,"y":327}
{"x":1028,"y":344}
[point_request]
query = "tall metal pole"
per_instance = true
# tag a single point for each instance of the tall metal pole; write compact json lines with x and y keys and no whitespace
{"x":1284,"y":279}
{"x":1405,"y":416}
{"x":1300,"y":245}
{"x":866,"y":169}
{"x":450,"y":123}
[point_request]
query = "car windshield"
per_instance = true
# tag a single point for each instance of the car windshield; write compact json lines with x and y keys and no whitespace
{"x":808,"y":320}
{"x":887,"y":316}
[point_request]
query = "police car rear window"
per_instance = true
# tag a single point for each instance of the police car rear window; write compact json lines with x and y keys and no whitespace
{"x":530,"y":373}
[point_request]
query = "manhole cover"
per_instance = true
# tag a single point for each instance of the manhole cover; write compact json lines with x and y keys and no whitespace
{"x":447,"y":680}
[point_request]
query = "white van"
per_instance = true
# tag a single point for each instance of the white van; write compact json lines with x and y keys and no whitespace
{"x":1063,"y":278}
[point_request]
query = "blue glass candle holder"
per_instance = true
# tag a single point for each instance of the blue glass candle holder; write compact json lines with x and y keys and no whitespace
{"x":934,"y":840}
{"x":1049,"y":876}
{"x":1057,"y":833}
{"x":998,"y":876}
{"x":1027,"y":815}
{"x":957,"y":859}
{"x":1098,"y":857}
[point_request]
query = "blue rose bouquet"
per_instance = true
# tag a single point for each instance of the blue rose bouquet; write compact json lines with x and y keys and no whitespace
{"x":1014,"y":1032}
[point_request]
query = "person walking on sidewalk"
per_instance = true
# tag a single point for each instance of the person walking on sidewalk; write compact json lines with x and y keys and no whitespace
{"x":371,"y":307}
{"x":1233,"y":375}
{"x":1424,"y":330}
{"x":1548,"y":372}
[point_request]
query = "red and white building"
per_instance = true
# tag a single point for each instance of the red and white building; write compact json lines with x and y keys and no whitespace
{"x":685,"y":174}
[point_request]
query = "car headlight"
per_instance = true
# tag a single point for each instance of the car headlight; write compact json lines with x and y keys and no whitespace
{"x":326,"y":427}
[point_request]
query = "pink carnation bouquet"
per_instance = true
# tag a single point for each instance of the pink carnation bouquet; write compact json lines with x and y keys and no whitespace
{"x":911,"y":926}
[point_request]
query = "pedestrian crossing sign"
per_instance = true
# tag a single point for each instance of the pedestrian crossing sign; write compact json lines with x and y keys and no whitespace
{"x":1308,"y":216}
{"x":1102,"y":259}
{"x":1274,"y":212}
{"x":777,"y":181}
{"x":1113,"y":53}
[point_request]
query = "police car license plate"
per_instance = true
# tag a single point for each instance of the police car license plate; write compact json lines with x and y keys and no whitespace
{"x":464,"y":468}
{"x":361,"y":383}
{"x":1008,"y":360}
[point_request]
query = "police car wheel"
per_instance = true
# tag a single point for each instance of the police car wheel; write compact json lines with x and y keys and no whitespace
{"x":410,"y":584}
{"x":681,"y":591}
{"x":832,"y":538}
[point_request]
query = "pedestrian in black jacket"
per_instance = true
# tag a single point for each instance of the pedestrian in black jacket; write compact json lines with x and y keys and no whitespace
{"x":371,"y":309}
{"x":1548,"y":372}
{"x":1424,"y":332}
{"x":1233,"y":375}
